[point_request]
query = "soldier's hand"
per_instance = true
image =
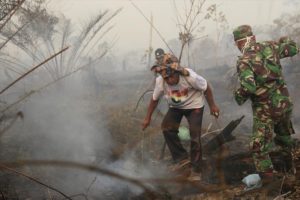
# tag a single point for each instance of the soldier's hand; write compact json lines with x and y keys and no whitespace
{"x":284,"y":39}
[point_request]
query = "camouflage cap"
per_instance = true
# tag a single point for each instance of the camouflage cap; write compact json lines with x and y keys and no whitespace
{"x":242,"y":31}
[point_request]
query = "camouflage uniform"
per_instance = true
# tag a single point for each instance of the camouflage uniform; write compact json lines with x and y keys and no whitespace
{"x":261,"y":80}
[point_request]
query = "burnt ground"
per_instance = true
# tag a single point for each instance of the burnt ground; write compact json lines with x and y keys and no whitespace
{"x":222,"y":175}
{"x":224,"y":169}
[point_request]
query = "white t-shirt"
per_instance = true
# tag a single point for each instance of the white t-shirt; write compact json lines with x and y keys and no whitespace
{"x":186,"y":94}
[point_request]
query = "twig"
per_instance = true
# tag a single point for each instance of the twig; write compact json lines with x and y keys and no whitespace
{"x":34,"y":179}
{"x":189,"y":24}
{"x":156,"y":30}
{"x":9,"y":17}
{"x":283,"y":179}
{"x":88,"y":189}
{"x":31,"y":70}
{"x":18,"y":30}
{"x":2,"y":195}
{"x":214,"y":131}
{"x":279,"y":197}
{"x":141,"y":97}
{"x":13,"y":35}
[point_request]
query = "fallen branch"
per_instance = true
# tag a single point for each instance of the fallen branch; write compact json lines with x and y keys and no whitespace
{"x":33,"y":179}
{"x":283,"y":179}
{"x":34,"y":68}
{"x":135,"y":181}
{"x":214,"y":131}
{"x":70,"y":164}
{"x":282,"y":196}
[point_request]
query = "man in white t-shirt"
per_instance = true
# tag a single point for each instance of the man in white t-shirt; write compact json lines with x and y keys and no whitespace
{"x":185,"y":92}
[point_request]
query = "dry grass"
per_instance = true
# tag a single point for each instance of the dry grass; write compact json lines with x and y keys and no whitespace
{"x":125,"y":127}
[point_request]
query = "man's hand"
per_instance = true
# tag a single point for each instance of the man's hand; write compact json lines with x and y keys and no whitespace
{"x":151,"y":107}
{"x":146,"y":123}
{"x":214,"y":110}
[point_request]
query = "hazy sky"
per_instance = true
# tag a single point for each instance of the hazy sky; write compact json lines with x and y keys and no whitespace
{"x":132,"y":30}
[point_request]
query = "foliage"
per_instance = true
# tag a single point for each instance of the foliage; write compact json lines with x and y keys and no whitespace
{"x":191,"y":23}
{"x":43,"y":33}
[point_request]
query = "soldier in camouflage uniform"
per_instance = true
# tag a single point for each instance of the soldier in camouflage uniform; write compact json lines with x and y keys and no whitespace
{"x":261,"y":81}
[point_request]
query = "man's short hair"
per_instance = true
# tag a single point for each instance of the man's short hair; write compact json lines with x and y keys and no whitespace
{"x":159,"y":53}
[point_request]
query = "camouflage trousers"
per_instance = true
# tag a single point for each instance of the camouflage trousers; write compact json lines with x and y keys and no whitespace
{"x":262,"y":139}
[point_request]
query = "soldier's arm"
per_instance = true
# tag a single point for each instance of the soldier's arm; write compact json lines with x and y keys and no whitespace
{"x":247,"y":83}
{"x":287,"y":47}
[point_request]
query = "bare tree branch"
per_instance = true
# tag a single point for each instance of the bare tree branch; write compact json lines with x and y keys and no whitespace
{"x":31,"y":70}
{"x":11,"y":14}
{"x":156,"y":30}
{"x":69,"y":164}
{"x":90,"y":186}
{"x":141,"y":97}
{"x":140,"y":182}
{"x":13,"y":35}
{"x":33,"y":179}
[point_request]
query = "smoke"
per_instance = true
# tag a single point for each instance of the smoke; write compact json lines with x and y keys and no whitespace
{"x":66,"y":122}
